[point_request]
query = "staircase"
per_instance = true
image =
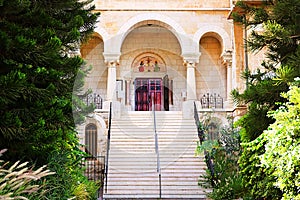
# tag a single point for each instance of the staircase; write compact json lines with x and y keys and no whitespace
{"x":132,"y":169}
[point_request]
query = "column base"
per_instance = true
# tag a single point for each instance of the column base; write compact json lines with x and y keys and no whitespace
{"x":228,"y":104}
{"x":188,"y":108}
{"x":116,"y":108}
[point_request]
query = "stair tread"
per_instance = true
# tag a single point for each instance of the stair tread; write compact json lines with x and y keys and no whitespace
{"x":132,"y":169}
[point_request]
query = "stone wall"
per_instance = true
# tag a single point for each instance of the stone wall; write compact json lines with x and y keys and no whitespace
{"x":161,"y":4}
{"x":210,"y":74}
{"x":92,"y":53}
{"x":175,"y":31}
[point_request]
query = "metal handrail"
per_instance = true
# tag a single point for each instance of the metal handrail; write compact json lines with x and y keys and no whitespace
{"x":201,"y":136}
{"x":108,"y":146}
{"x":156,"y":148}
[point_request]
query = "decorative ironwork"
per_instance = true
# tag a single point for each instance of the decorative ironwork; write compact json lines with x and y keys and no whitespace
{"x":211,"y":101}
{"x":94,"y":170}
{"x":94,"y":99}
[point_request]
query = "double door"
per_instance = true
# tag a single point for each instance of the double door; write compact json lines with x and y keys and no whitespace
{"x":148,"y":91}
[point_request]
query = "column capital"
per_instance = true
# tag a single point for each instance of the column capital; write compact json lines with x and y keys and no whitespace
{"x":191,"y":57}
{"x":189,"y":64}
{"x":112,"y":59}
{"x":226,"y":57}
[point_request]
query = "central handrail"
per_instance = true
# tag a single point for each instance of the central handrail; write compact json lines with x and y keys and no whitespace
{"x":156,"y":148}
{"x":108,"y":146}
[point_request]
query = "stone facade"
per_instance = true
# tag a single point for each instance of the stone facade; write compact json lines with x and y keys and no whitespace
{"x":193,"y":42}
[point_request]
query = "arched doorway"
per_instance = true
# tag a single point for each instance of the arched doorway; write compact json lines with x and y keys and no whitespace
{"x":150,"y":61}
{"x":151,"y":85}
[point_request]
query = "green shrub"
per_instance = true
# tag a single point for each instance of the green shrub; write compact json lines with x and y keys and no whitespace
{"x":225,"y":153}
{"x":69,"y":178}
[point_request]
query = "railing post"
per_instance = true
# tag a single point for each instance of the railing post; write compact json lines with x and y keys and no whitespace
{"x":108,"y":146}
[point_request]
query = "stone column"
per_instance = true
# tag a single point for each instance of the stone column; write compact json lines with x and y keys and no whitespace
{"x":229,"y":80}
{"x":227,"y":62}
{"x":127,"y":94}
{"x":112,"y":61}
{"x":190,"y":61}
{"x":191,"y":81}
{"x":111,"y":81}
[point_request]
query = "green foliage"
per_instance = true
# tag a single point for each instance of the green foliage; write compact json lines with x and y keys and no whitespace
{"x":38,"y":69}
{"x":258,"y":182}
{"x":282,"y":148}
{"x":225,"y":154}
{"x":274,"y":155}
{"x":280,"y":38}
{"x":69,"y":178}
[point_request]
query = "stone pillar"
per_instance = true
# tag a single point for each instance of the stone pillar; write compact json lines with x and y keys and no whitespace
{"x":190,"y":61}
{"x":227,"y":62}
{"x":111,"y":81}
{"x":191,"y":81}
{"x":127,"y":94}
{"x":112,"y":61}
{"x":229,"y":80}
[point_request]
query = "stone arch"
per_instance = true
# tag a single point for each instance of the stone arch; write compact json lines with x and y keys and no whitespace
{"x":220,"y":33}
{"x":102,"y":33}
{"x":88,"y":46}
{"x":162,"y":20}
{"x":211,"y":79}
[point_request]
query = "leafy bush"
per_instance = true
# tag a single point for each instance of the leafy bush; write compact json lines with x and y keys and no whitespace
{"x":274,"y":155}
{"x":225,"y":153}
{"x":282,"y":145}
{"x":260,"y":185}
{"x":69,"y":181}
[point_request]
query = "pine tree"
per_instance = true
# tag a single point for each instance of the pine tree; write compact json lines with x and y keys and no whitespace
{"x":38,"y":70}
{"x":37,"y":73}
{"x":280,"y":20}
{"x":281,"y":23}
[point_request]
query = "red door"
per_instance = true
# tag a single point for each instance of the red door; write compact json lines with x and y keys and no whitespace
{"x":145,"y":91}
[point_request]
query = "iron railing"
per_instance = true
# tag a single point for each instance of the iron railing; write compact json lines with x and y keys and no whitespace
{"x":94,"y":99}
{"x":94,"y":168}
{"x":202,"y":138}
{"x":211,"y":101}
{"x":156,"y":149}
{"x":108,"y":146}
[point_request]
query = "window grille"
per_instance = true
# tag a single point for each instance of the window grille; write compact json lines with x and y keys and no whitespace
{"x":91,"y":139}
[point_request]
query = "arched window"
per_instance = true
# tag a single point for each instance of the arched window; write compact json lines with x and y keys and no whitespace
{"x":212,"y":131}
{"x":91,"y":139}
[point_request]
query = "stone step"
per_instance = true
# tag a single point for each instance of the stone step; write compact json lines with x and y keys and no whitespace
{"x":146,"y":181}
{"x":149,"y":175}
{"x":155,"y":190}
{"x":132,"y":170}
{"x":156,"y":196}
{"x":155,"y":187}
{"x":149,"y":123}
